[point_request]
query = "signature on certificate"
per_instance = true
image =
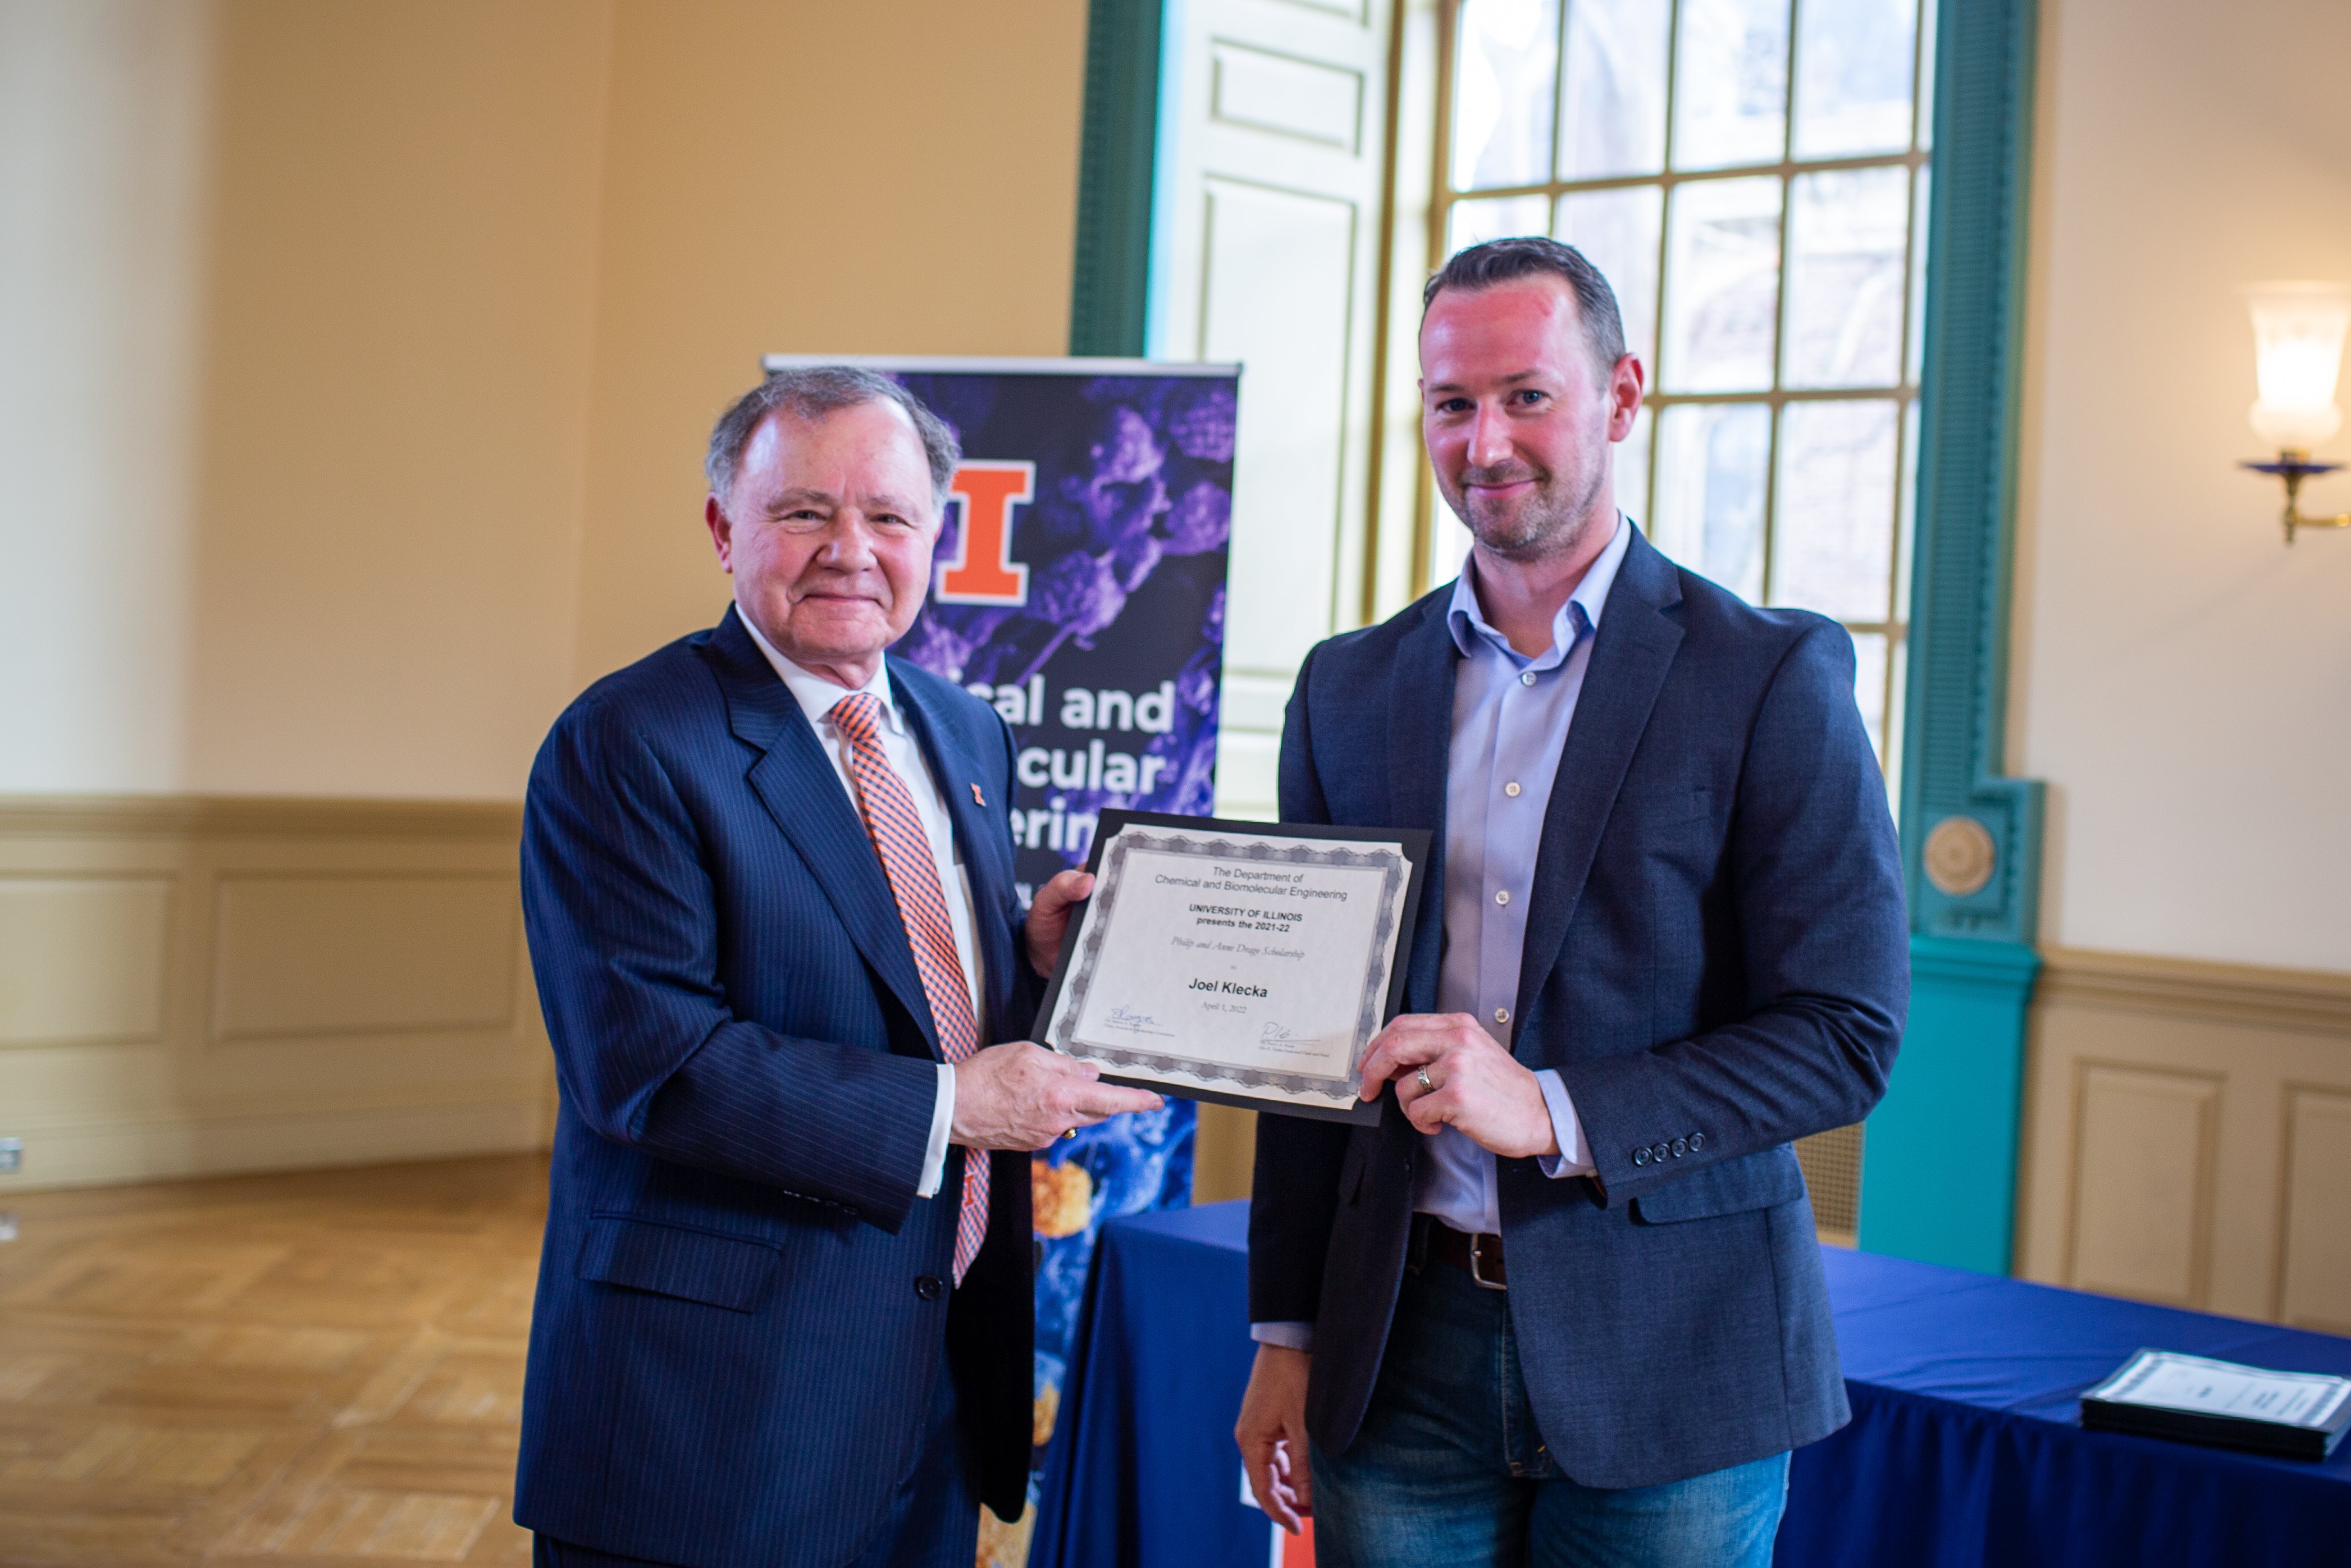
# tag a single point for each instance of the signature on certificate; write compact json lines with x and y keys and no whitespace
{"x":1131,"y":1021}
{"x":1276,"y":1034}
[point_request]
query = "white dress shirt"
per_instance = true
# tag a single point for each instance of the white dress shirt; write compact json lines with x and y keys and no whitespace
{"x":817,"y":696}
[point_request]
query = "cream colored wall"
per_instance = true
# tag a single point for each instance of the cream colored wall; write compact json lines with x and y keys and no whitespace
{"x":394,"y":399}
{"x":805,"y":178}
{"x":362,"y":355}
{"x":2181,"y":678}
{"x":356,"y":364}
{"x":104,"y":124}
{"x":295,"y":401}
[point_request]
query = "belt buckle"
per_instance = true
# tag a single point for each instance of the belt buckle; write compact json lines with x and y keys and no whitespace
{"x":1475,"y":1274}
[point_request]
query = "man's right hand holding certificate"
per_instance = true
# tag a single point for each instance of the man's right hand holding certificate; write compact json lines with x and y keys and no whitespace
{"x":1450,"y":1072}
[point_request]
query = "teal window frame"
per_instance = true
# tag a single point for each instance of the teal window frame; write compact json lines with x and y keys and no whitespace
{"x":1940,"y":1156}
{"x":1110,"y":287}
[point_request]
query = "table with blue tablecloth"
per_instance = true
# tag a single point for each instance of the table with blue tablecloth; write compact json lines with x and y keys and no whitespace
{"x":1966,"y":1446}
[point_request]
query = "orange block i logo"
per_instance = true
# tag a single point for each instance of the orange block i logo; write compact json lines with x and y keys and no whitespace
{"x":983,"y":572}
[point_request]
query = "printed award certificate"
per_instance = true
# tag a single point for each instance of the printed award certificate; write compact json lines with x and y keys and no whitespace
{"x":1249,"y":963}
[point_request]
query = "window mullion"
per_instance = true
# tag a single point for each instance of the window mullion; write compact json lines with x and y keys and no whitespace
{"x":1779,"y":317}
{"x":1671,"y":178}
{"x":1665,"y":251}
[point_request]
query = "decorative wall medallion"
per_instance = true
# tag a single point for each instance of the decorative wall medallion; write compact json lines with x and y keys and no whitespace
{"x":1959,"y":856}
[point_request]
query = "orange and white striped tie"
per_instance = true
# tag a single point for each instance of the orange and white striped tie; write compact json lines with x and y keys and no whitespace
{"x":906,"y":860}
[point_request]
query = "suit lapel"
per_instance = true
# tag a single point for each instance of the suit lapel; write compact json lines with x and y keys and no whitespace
{"x":1630,"y":653}
{"x":796,"y":781}
{"x":987,"y":847}
{"x":1420,"y":736}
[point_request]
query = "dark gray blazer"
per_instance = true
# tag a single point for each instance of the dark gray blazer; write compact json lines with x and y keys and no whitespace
{"x":1717,"y":961}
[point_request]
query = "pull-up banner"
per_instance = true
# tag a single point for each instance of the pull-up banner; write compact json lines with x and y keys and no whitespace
{"x":1078,"y":588}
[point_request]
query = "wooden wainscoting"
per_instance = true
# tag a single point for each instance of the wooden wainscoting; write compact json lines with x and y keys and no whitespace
{"x":2188,"y":1137}
{"x":193,"y":986}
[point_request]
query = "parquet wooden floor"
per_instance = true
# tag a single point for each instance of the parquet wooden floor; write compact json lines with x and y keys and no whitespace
{"x":315,"y":1368}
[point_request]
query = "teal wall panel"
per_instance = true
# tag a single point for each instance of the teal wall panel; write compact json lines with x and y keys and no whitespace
{"x":1939,"y":1158}
{"x":1958,"y":694}
{"x":1939,"y":1180}
{"x":1109,"y":288}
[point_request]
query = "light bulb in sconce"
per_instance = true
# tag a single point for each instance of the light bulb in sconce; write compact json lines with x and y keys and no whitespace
{"x":2298,"y":330}
{"x":2298,"y":352}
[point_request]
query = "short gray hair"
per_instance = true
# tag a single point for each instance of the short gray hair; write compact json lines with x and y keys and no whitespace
{"x":1534,"y":256}
{"x":811,"y":391}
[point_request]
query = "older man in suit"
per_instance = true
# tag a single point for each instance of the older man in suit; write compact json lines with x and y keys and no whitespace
{"x":1562,"y":1305}
{"x":784,"y":1310}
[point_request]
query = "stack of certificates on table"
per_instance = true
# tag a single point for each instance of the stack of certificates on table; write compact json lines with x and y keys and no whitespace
{"x":2295,"y":1414}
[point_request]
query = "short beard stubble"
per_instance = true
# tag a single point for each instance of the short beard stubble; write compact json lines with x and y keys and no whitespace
{"x":1547,"y":527}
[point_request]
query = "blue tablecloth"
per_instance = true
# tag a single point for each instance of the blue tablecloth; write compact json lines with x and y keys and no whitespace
{"x":1965,"y":1448}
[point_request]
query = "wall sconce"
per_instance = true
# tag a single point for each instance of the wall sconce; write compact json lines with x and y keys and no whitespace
{"x":2298,"y":346}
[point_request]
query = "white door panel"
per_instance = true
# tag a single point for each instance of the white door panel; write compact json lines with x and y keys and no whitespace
{"x":1269,"y":188}
{"x":1257,"y":90}
{"x":1276,"y":297}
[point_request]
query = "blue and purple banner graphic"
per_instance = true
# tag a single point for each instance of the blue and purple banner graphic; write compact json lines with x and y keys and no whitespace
{"x":1080,"y":589}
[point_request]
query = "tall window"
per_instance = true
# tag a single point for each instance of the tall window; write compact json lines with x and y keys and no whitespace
{"x":1751,"y":176}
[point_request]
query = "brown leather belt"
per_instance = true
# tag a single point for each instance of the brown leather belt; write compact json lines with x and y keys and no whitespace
{"x":1480,"y":1257}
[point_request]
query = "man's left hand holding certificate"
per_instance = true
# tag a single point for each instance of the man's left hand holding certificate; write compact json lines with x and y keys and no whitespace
{"x":1246,"y":963}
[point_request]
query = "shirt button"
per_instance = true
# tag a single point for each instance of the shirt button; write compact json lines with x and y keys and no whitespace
{"x":1511,"y":787}
{"x":1501,"y":1015}
{"x":1526,"y":677}
{"x":1504,"y":896}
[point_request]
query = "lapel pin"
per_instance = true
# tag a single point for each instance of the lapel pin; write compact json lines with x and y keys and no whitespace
{"x":976,"y":797}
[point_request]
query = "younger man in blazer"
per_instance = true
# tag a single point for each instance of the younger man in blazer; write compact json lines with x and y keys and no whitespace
{"x":1563,"y":1305}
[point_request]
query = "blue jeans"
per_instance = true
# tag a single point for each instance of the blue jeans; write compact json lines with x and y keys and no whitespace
{"x":1448,"y":1468}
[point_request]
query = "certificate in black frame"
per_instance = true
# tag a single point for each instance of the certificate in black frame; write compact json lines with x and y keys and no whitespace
{"x":1414,"y":842}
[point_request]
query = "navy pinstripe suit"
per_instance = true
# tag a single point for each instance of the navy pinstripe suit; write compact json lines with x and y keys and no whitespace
{"x":741,"y":1303}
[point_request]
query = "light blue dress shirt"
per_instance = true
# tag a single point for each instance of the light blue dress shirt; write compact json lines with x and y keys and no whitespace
{"x":1511,"y":716}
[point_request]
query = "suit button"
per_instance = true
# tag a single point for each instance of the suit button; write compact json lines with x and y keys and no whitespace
{"x":1661,"y":1151}
{"x":1681,"y":1147}
{"x":850,"y":1209}
{"x":1640,"y":1156}
{"x":1697,"y":1142}
{"x":928,"y":1287}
